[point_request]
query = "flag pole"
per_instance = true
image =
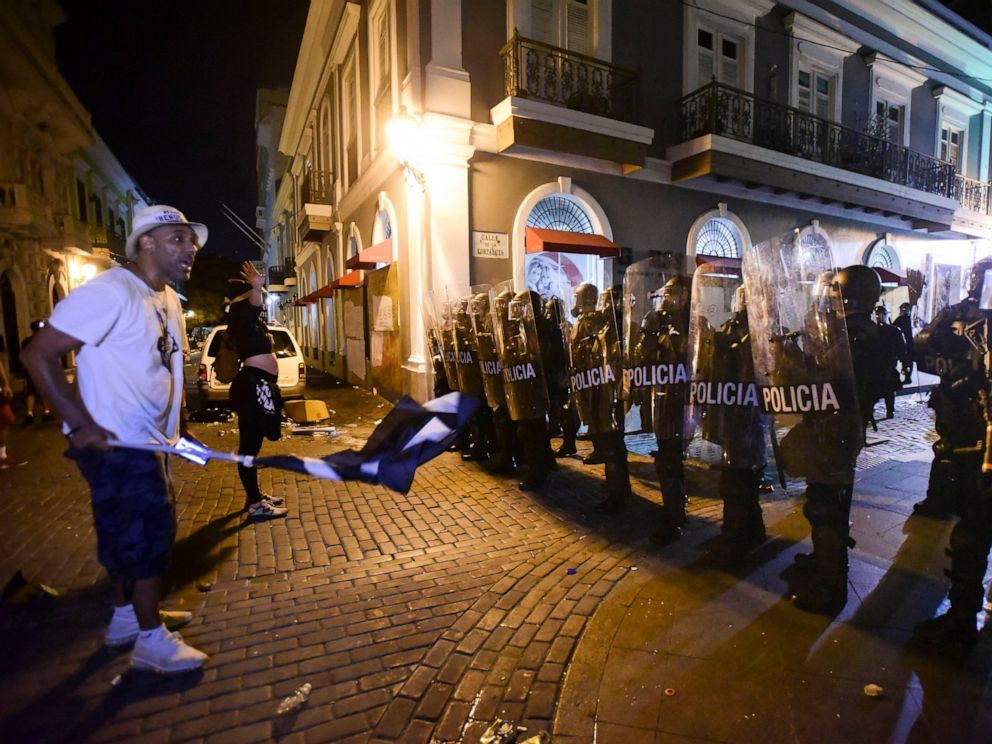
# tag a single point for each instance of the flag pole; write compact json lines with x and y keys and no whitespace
{"x":194,"y":452}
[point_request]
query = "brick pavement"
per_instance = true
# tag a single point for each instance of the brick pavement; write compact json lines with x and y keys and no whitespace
{"x":415,"y":618}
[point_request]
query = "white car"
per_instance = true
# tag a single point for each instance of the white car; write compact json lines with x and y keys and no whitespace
{"x":292,"y":369}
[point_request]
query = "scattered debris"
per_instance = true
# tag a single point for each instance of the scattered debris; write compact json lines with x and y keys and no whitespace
{"x":541,"y":737}
{"x":501,"y":732}
{"x":115,"y":681}
{"x":294,"y":701}
{"x":669,"y":692}
{"x":204,"y":586}
{"x":874,"y":691}
{"x":20,"y":591}
{"x":571,"y":571}
{"x":325,"y":430}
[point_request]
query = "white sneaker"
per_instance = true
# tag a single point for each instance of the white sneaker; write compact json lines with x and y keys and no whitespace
{"x":161,"y":651}
{"x":124,"y":628}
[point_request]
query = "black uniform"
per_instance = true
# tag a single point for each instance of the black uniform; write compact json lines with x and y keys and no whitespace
{"x":952,"y":346}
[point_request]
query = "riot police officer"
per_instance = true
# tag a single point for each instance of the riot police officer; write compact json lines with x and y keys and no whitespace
{"x":595,"y":382}
{"x":820,"y":583}
{"x":667,"y":330}
{"x":523,"y":380}
{"x":470,"y":381}
{"x":952,"y":346}
{"x":562,"y":418}
{"x":724,"y":406}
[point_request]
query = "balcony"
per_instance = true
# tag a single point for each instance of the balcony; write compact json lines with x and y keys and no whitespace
{"x":98,"y":236}
{"x":927,"y":192}
{"x":316,"y":213}
{"x":24,"y":212}
{"x":282,"y":276}
{"x":568,"y":102}
{"x":317,"y":187}
{"x":73,"y":234}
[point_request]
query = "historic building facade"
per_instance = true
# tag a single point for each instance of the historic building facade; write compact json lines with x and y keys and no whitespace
{"x":437,"y":144}
{"x":65,"y":201}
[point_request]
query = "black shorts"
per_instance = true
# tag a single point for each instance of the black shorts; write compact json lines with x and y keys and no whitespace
{"x":256,"y":399}
{"x":133,"y":510}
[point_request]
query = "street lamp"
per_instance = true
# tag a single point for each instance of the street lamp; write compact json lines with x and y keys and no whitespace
{"x":405,"y":136}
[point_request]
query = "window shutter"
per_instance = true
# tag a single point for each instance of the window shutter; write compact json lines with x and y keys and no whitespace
{"x":577,"y":27}
{"x":542,"y":21}
{"x":729,"y":62}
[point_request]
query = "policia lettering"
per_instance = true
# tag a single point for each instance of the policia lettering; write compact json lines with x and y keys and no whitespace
{"x":594,"y":377}
{"x":657,"y":374}
{"x":799,"y":398}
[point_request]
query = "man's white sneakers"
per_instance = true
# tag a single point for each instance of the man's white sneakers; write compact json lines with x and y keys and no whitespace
{"x":160,"y":651}
{"x":124,"y":628}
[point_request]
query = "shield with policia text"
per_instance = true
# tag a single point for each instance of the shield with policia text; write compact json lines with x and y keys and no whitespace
{"x":595,"y":358}
{"x":724,"y":407}
{"x":433,"y":339}
{"x":485,"y":340}
{"x":802,"y":360}
{"x":655,"y":372}
{"x":466,"y":351}
{"x":519,"y":352}
{"x":442,"y":312}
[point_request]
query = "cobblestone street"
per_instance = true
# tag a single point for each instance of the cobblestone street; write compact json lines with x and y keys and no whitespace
{"x":427,"y":616}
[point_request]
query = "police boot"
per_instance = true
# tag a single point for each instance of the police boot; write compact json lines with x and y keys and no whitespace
{"x":570,"y":427}
{"x":617,"y":473}
{"x":672,"y":510}
{"x":743,"y":527}
{"x":942,"y":482}
{"x":502,"y":460}
{"x":825,"y":591}
{"x":530,"y":434}
{"x":956,"y":628}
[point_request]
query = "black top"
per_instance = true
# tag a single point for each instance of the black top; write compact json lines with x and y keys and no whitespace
{"x":247,"y":330}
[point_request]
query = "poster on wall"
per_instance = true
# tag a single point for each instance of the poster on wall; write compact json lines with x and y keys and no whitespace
{"x":383,"y":317}
{"x":355,"y":348}
{"x":376,"y":350}
{"x":922,"y":313}
{"x":946,"y":287}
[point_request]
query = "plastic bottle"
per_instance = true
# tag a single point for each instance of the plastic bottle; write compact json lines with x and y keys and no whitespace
{"x":295,"y":700}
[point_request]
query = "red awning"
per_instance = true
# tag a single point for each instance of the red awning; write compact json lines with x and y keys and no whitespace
{"x":890,"y":277}
{"x":380,"y":253}
{"x":324,"y":292}
{"x":538,"y":240}
{"x":348,"y":280}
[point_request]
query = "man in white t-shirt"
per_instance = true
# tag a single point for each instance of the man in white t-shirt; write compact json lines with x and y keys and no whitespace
{"x":127,"y":327}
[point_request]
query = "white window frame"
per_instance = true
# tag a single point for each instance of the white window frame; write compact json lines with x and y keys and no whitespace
{"x":349,"y":71}
{"x":696,"y":17}
{"x":518,"y":16}
{"x":381,"y":10}
{"x":820,"y":50}
{"x":720,"y":213}
{"x":894,"y":83}
{"x":954,"y":110}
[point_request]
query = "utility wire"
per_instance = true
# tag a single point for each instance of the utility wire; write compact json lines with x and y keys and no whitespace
{"x":243,"y":227}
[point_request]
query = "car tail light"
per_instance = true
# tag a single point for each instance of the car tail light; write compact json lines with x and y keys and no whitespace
{"x":303,"y":371}
{"x":202,"y":374}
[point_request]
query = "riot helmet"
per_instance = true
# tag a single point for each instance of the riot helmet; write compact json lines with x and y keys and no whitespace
{"x":860,"y":287}
{"x":479,"y":305}
{"x":518,"y":303}
{"x":673,"y":295}
{"x":976,"y":279}
{"x":585,"y":296}
{"x":881,"y":314}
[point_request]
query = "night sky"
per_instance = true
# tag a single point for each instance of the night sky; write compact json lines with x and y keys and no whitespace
{"x":171,"y":89}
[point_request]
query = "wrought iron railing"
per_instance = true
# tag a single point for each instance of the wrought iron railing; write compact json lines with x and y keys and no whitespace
{"x":972,"y":194}
{"x":277,"y":274}
{"x":719,"y":109}
{"x":98,"y":235}
{"x":317,"y":187}
{"x":533,"y":69}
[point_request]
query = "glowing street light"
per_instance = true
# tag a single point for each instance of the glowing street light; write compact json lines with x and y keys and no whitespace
{"x":406,"y":140}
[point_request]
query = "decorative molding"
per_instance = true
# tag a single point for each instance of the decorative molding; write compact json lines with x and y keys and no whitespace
{"x":528,"y":109}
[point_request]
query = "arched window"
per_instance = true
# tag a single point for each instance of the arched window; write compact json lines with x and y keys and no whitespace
{"x":718,"y":237}
{"x":555,"y":273}
{"x":718,"y":233}
{"x":560,"y":212}
{"x":881,"y":255}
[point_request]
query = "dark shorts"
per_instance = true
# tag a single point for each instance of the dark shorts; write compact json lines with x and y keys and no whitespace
{"x":256,"y":398}
{"x":133,"y":510}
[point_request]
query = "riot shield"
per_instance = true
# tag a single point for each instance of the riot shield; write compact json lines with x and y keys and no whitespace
{"x":466,"y":351}
{"x":802,"y":360}
{"x":513,"y":319}
{"x":485,"y":340}
{"x":654,"y":376}
{"x":723,"y":406}
{"x":434,"y":348}
{"x":595,"y":360}
{"x":443,"y":312}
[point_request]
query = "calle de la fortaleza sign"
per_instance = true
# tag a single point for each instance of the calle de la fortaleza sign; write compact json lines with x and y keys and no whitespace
{"x":490,"y":244}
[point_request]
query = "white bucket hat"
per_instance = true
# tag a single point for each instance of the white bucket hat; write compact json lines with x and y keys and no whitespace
{"x":156,"y":216}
